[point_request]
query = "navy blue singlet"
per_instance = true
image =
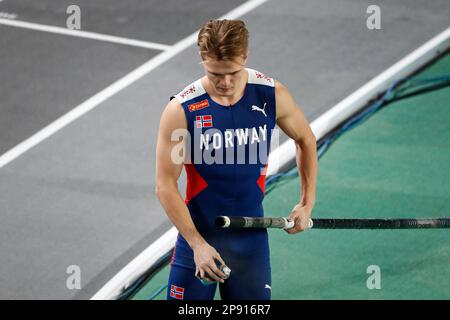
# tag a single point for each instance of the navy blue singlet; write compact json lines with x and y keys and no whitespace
{"x":226,"y":164}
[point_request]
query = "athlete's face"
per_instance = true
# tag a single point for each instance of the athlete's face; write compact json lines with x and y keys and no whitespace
{"x":225,"y":77}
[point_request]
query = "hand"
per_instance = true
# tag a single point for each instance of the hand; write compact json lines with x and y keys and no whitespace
{"x":205,"y":264}
{"x":300,"y":215}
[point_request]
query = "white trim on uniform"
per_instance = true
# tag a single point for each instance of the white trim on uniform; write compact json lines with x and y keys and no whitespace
{"x":257,"y":77}
{"x":192,"y":91}
{"x":196,"y":89}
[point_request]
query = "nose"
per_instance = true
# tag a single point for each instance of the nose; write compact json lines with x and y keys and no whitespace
{"x":226,"y":81}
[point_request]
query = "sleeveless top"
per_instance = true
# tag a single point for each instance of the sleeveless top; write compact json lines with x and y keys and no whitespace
{"x":227,"y":155}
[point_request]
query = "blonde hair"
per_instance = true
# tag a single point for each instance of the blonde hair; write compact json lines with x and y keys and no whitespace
{"x":223,"y":40}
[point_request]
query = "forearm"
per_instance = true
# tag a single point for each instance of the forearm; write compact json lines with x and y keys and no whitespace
{"x":306,"y":158}
{"x":178,"y":213}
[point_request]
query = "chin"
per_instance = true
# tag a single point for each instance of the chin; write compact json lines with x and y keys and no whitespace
{"x":225,"y":93}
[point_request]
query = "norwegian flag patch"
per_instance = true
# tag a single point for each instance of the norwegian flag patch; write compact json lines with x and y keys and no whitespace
{"x":176,"y":292}
{"x":203,"y":121}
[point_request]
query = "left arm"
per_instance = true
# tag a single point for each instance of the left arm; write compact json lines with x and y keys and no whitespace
{"x":292,"y":121}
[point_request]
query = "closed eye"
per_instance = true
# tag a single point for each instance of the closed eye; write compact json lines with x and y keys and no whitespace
{"x":219,"y":74}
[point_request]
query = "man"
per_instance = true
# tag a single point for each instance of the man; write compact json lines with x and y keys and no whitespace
{"x":227,"y":116}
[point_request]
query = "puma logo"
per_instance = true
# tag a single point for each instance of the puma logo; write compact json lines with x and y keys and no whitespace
{"x":256,"y":108}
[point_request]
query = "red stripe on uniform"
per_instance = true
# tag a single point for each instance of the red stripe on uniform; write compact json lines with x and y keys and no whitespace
{"x":262,"y":179}
{"x":195,"y":182}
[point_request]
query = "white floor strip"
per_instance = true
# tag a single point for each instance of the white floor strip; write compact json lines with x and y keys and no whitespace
{"x":286,"y":152}
{"x":137,"y":266}
{"x":84,"y":34}
{"x":357,"y":100}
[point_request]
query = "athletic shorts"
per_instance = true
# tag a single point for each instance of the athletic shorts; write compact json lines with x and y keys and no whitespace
{"x":245,"y":252}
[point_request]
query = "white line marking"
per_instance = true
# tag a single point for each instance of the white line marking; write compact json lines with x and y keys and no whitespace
{"x":285,"y":154}
{"x":84,"y":34}
{"x":125,"y":277}
{"x":117,"y":86}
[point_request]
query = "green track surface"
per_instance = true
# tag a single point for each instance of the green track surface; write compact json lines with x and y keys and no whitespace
{"x":395,"y":165}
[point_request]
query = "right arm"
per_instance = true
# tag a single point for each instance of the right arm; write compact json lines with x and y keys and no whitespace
{"x":167,"y":173}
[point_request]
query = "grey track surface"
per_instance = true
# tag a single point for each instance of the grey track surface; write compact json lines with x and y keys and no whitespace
{"x":85,"y":195}
{"x":46,"y":75}
{"x":159,"y":21}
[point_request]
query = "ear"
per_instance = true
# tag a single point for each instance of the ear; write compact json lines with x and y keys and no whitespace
{"x":246,"y":56}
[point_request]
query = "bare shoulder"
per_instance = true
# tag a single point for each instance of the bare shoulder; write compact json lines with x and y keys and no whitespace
{"x":278,"y":84}
{"x":290,"y":117}
{"x":281,"y":91}
{"x":173,"y":115}
{"x":284,"y":100}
